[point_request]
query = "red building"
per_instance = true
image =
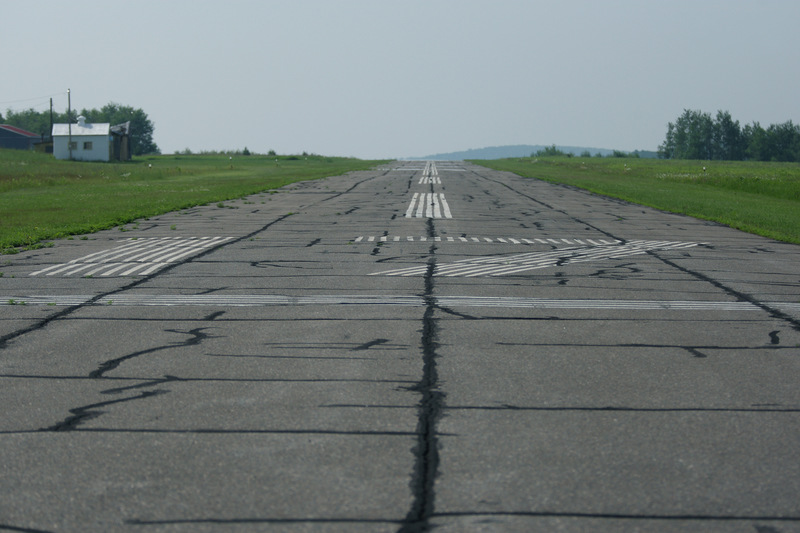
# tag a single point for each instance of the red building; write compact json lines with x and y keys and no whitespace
{"x":17,"y":138}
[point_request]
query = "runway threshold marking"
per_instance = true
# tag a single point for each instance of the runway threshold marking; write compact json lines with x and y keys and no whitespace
{"x":134,"y":257}
{"x":500,"y":265}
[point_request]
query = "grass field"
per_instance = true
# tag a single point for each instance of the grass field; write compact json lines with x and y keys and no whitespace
{"x":42,"y":198}
{"x":760,"y":198}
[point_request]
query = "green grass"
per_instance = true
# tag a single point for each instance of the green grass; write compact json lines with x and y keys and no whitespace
{"x":42,"y":198}
{"x":760,"y":198}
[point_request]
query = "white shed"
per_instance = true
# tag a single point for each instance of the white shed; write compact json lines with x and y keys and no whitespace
{"x":89,"y":142}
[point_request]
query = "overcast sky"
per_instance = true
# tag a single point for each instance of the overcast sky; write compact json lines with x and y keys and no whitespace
{"x":385,"y":79}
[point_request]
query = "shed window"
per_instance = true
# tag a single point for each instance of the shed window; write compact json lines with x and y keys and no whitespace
{"x":73,"y":145}
{"x":87,"y":145}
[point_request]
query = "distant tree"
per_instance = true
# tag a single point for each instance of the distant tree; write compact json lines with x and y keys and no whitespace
{"x":692,"y":136}
{"x":756,"y":138}
{"x":778,"y":142}
{"x":33,"y":121}
{"x":272,"y":153}
{"x":728,"y":141}
{"x":784,"y":140}
{"x":696,"y":135}
{"x":548,"y":151}
{"x":141,"y":126}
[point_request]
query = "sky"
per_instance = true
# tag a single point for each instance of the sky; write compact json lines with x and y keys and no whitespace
{"x":407,"y":78}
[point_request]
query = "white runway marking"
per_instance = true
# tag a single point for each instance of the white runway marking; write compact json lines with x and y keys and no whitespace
{"x":428,"y":205}
{"x":234,"y":300}
{"x":135,"y":256}
{"x":513,"y":264}
{"x":492,"y":240}
{"x":430,"y":170}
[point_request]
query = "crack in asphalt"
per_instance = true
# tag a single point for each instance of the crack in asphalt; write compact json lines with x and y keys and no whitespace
{"x":8,"y":527}
{"x":740,"y":296}
{"x":196,"y":337}
{"x":548,"y":206}
{"x":87,"y":412}
{"x":430,"y":408}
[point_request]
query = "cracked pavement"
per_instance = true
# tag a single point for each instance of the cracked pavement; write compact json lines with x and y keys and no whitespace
{"x":282,"y":380}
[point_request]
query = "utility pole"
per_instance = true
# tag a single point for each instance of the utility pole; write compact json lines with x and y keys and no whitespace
{"x":69,"y":125}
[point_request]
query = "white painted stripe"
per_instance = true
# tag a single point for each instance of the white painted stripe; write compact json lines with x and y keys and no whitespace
{"x":437,"y":210}
{"x":140,"y":266}
{"x":233,"y":300}
{"x":520,"y":240}
{"x":42,"y":271}
{"x":512,"y":264}
{"x":445,"y":207}
{"x":538,"y":303}
{"x":140,"y":251}
{"x":420,"y":206}
{"x":410,"y":209}
{"x":115,"y":268}
{"x":71,"y":269}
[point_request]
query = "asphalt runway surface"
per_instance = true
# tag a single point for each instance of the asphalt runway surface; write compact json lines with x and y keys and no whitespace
{"x":421,"y":346}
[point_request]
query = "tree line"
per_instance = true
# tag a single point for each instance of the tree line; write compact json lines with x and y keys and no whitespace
{"x":696,"y":135}
{"x":554,"y":151}
{"x":141,"y":126}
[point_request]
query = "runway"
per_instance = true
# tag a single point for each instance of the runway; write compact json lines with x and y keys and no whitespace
{"x":426,"y":345}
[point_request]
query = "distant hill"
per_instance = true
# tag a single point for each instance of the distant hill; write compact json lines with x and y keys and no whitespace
{"x":518,"y":150}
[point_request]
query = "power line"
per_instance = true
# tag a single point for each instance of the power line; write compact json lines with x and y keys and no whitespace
{"x":32,"y":99}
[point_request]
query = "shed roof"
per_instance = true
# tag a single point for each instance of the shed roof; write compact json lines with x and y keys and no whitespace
{"x":17,"y":130}
{"x":60,"y":130}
